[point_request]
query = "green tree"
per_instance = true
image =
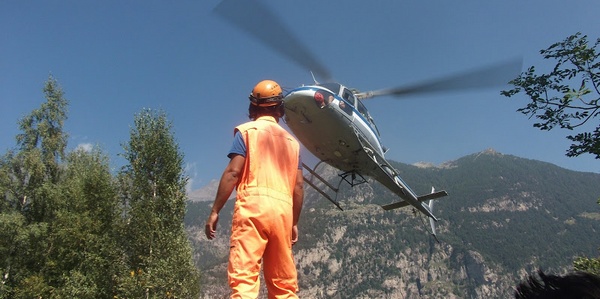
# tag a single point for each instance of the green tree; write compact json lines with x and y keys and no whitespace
{"x":567,"y":96}
{"x":19,"y":254}
{"x":58,"y":213}
{"x":70,"y":229}
{"x":591,"y":265}
{"x":28,"y":178}
{"x":30,"y":172}
{"x":153,"y":188}
{"x":84,"y":259}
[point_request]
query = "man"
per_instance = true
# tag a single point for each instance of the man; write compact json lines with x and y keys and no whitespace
{"x":265,"y":166}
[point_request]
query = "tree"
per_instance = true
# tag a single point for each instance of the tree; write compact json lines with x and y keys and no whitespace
{"x":153,"y":190}
{"x":591,"y":265}
{"x":58,"y":212}
{"x":31,"y":172}
{"x":19,"y":253}
{"x":567,"y":96}
{"x":70,"y":229}
{"x":84,"y":259}
{"x":28,"y":181}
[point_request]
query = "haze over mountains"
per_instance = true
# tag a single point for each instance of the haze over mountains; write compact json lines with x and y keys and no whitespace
{"x":505,"y":217}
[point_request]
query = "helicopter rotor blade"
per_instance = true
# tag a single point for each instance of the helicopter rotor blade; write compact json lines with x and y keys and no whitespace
{"x":257,"y":20}
{"x":495,"y":75}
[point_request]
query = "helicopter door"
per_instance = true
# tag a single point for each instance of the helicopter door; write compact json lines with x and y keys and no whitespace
{"x":370,"y":130}
{"x":363,"y":120}
{"x":349,"y":98}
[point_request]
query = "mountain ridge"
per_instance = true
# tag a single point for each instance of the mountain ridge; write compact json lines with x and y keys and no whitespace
{"x":505,"y":217}
{"x":208,"y":191}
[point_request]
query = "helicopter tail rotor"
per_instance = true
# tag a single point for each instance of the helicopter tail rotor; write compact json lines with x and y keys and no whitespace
{"x":431,"y":220}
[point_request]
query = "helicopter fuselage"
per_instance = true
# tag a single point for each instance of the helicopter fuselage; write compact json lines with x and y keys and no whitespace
{"x":327,"y":119}
{"x":336,"y":127}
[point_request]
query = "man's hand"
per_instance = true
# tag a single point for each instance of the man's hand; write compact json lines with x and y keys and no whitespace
{"x":211,"y":225}
{"x":294,"y":234}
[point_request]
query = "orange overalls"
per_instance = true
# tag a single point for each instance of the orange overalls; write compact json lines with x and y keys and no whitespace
{"x":262,"y":219}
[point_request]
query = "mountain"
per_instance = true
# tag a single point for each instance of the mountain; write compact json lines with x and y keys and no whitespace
{"x":505,"y":217}
{"x":206,"y":193}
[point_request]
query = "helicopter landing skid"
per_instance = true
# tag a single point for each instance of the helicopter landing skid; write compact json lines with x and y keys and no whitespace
{"x":351,"y":178}
{"x":320,"y":178}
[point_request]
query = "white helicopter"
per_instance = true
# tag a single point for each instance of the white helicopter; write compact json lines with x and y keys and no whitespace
{"x":330,"y":119}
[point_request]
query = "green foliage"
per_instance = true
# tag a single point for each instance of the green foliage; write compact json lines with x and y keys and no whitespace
{"x":567,"y":96}
{"x":31,"y":200}
{"x":154,"y":192}
{"x":21,"y":249}
{"x":28,"y":176}
{"x":586,"y":264}
{"x":70,"y":229}
{"x":591,"y":265}
{"x":43,"y":129}
{"x":85,"y":257}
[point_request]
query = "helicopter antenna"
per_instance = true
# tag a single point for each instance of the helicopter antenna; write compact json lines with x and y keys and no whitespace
{"x":313,"y":76}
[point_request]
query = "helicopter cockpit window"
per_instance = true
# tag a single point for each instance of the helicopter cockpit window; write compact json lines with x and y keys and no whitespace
{"x":334,"y":87}
{"x":363,"y":110}
{"x":348,"y":96}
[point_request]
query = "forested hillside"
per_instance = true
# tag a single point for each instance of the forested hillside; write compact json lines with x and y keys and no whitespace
{"x":505,"y":217}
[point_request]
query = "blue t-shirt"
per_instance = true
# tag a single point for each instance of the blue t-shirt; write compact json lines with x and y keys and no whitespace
{"x":239,"y":148}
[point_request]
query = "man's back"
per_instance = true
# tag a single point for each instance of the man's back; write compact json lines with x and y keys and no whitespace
{"x":271,"y":159}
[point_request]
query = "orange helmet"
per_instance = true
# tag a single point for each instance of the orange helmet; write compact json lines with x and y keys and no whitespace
{"x":266,"y":93}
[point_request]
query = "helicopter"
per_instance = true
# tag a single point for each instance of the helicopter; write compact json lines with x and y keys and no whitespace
{"x":331,"y":120}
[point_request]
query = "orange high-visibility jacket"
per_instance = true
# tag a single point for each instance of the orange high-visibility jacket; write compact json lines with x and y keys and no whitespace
{"x":271,"y":160}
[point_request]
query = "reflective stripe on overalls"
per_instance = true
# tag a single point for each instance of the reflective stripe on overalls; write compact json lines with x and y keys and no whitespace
{"x":262,"y":220}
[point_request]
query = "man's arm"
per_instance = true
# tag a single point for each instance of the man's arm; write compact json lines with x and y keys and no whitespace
{"x":229,"y":179}
{"x":298,"y":196}
{"x":298,"y":200}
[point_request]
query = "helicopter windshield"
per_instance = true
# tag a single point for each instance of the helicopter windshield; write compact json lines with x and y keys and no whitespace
{"x":363,"y":110}
{"x":334,"y":87}
{"x":349,"y":97}
{"x":339,"y":90}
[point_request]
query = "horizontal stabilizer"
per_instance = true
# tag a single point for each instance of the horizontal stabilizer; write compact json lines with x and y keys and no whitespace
{"x":395,"y":205}
{"x":421,"y":198}
{"x":432,"y":195}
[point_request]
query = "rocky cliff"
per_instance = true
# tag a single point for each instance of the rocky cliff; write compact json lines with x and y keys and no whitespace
{"x":505,"y":217}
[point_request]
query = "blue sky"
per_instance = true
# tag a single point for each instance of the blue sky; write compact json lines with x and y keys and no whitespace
{"x":114,"y":58}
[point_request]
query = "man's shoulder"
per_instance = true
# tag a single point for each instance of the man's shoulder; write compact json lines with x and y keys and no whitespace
{"x":245,"y":126}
